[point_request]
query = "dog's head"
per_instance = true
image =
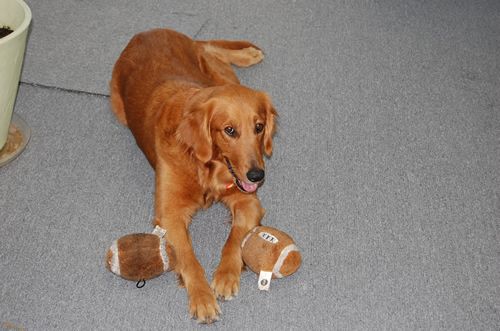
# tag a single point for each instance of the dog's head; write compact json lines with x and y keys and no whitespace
{"x":232,"y":124}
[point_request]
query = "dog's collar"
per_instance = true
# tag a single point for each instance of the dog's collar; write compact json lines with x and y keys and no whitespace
{"x":230,"y":167}
{"x":237,"y":181}
{"x":228,"y":186}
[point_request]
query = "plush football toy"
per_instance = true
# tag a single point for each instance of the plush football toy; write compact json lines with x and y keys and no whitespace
{"x":270,"y":253}
{"x":140,"y":257}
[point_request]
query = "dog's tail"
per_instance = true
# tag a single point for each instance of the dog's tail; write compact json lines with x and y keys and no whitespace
{"x":116,"y":97}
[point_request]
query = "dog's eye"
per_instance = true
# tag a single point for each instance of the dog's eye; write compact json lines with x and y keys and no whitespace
{"x":259,"y":127}
{"x":230,"y":131}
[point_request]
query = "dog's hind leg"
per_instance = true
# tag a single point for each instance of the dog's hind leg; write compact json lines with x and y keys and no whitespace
{"x":239,"y":53}
{"x":216,"y":57}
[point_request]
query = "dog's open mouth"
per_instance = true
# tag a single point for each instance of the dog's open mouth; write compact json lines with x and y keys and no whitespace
{"x":243,"y":186}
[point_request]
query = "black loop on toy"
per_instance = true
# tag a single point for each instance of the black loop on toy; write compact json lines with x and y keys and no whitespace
{"x":141,"y":283}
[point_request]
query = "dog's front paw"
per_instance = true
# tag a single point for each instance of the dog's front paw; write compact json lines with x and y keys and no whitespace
{"x":226,"y":282}
{"x":203,"y":305}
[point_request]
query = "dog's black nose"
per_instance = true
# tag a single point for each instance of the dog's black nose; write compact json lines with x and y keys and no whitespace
{"x":255,"y":175}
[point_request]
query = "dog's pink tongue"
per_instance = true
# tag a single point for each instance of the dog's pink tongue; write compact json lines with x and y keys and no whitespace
{"x":249,"y":187}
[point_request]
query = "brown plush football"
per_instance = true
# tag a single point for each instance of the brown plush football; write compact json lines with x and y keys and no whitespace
{"x":140,"y":257}
{"x":268,"y":249}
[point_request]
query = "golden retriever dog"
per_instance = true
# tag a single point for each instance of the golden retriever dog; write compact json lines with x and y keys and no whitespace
{"x":205,"y":135}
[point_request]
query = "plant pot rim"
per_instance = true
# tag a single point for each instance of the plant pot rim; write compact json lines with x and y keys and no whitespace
{"x":24,"y":25}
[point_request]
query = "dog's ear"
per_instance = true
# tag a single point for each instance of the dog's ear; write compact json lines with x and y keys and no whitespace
{"x":270,"y":126}
{"x":194,"y":129}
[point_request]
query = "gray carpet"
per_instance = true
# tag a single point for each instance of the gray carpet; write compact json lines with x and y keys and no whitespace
{"x":385,"y":170}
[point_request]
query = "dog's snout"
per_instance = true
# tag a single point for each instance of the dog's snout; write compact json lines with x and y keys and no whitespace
{"x":255,"y":175}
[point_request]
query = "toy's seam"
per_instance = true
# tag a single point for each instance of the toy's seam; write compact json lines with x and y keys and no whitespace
{"x":114,"y":263}
{"x":281,"y":259}
{"x":248,"y":236}
{"x":164,"y":255}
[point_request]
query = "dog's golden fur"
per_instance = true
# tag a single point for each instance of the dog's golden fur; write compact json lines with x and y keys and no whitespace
{"x":200,"y":130}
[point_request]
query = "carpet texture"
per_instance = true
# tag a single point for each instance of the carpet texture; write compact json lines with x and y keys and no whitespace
{"x":385,"y":168}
